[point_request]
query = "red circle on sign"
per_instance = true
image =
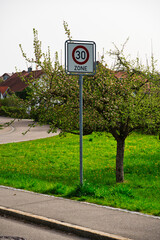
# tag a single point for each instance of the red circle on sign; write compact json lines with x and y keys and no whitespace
{"x":84,"y":48}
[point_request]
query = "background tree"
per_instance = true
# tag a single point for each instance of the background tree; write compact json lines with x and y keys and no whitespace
{"x":118,"y":101}
{"x":1,"y":80}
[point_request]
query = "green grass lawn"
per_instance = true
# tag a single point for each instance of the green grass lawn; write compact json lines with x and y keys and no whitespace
{"x":51,"y":166}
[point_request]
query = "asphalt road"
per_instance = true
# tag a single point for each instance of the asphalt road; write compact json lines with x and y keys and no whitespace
{"x":13,"y":228}
{"x":14,"y":132}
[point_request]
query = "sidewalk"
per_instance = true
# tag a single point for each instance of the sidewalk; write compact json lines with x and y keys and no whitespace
{"x":86,"y":219}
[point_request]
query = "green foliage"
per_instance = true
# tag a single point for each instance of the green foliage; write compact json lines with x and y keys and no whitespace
{"x":23,"y":94}
{"x":81,"y":191}
{"x":12,"y":107}
{"x":119,"y":100}
{"x":67,"y":30}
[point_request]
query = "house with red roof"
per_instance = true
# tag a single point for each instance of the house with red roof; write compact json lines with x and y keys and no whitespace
{"x":4,"y":90}
{"x":5,"y":76}
{"x":15,"y":83}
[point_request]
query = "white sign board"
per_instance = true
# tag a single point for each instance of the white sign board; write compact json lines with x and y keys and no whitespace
{"x":80,"y":57}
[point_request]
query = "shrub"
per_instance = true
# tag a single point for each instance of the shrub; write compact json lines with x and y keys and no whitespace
{"x":12,"y":107}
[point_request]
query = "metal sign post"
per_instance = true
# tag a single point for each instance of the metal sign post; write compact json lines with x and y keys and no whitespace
{"x":81,"y":126}
{"x":80,"y":59}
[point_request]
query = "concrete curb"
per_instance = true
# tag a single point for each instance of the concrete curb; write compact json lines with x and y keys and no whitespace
{"x":63,"y":226}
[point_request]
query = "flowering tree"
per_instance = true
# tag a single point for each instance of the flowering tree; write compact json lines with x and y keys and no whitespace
{"x":50,"y":97}
{"x":117,"y":101}
{"x":124,"y":101}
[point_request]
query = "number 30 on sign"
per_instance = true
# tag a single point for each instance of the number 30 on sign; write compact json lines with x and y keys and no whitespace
{"x":80,"y":57}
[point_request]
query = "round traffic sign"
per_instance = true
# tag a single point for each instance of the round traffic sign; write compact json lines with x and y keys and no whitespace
{"x":80,"y":55}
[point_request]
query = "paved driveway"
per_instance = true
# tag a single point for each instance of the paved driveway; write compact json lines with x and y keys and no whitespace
{"x":14,"y":132}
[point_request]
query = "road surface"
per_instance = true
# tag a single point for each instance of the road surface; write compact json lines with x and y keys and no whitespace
{"x":13,"y":228}
{"x":14,"y":132}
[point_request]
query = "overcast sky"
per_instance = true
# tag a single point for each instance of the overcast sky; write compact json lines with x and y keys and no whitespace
{"x":102,"y":21}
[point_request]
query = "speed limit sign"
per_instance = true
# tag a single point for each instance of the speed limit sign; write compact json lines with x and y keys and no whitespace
{"x":80,"y":57}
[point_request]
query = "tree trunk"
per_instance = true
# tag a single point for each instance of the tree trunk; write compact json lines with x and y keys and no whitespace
{"x":119,"y":160}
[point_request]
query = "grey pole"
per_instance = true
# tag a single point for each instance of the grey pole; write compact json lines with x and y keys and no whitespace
{"x":81,"y":126}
